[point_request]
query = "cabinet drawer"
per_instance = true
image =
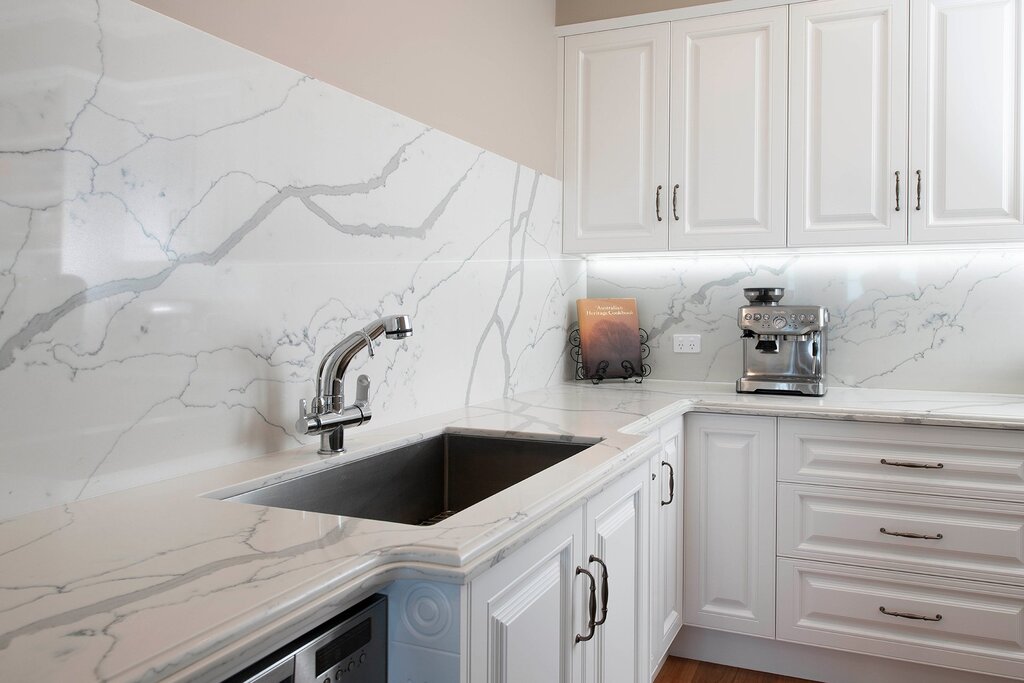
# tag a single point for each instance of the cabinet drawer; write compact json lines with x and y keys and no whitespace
{"x":978,"y":463}
{"x":978,"y":540}
{"x":981,"y":626}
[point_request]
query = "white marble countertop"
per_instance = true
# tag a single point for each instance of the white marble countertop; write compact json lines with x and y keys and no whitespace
{"x":163,"y":583}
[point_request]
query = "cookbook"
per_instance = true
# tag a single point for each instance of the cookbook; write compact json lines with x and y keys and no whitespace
{"x":609,"y":337}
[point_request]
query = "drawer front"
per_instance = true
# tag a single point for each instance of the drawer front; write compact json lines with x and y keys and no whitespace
{"x":977,"y":463}
{"x":962,"y":538}
{"x":981,"y":626}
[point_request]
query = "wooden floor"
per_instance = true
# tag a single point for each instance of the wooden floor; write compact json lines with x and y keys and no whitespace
{"x":690,"y":671}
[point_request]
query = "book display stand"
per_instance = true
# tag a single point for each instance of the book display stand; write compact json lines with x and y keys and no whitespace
{"x":576,"y":353}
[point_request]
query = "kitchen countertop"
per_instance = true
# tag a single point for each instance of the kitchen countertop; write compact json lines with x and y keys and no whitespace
{"x":161,"y":582}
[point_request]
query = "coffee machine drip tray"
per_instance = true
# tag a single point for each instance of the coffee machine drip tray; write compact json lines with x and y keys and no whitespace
{"x":780,"y":385}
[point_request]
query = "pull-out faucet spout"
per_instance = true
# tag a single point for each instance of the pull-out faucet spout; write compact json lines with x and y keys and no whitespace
{"x":329,"y":414}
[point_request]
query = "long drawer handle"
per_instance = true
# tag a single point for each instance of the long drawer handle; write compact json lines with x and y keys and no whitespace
{"x":671,"y":483}
{"x":908,"y":615}
{"x":657,"y":203}
{"x":907,"y":534}
{"x":592,"y":605}
{"x":919,"y":465}
{"x":604,"y":589}
{"x":897,"y":190}
{"x":919,"y":190}
{"x":675,"y":193}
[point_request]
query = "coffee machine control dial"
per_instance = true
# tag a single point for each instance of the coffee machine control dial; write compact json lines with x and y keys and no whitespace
{"x":779,"y":322}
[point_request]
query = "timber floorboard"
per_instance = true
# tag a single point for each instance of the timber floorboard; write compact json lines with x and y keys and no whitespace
{"x":678,"y":670}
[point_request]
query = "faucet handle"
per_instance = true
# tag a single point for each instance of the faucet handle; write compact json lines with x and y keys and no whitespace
{"x":303,"y":409}
{"x":362,"y":390}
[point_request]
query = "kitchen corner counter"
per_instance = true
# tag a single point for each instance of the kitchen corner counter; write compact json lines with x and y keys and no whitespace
{"x":162,"y":582}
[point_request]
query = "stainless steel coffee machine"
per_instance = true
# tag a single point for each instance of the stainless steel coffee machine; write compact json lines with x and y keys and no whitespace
{"x":783,"y":346}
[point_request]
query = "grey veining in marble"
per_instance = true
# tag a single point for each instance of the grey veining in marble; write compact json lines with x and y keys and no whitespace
{"x":187,"y":227}
{"x":937,"y":320}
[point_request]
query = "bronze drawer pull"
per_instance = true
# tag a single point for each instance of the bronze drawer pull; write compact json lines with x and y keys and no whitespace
{"x":671,"y":483}
{"x":675,"y":210}
{"x":604,"y":590}
{"x":897,"y":190}
{"x":592,"y":604}
{"x":908,"y":615}
{"x":907,"y":534}
{"x":657,"y":204}
{"x":919,"y":465}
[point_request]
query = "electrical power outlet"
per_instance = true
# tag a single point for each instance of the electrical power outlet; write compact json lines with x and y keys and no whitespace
{"x":686,"y":343}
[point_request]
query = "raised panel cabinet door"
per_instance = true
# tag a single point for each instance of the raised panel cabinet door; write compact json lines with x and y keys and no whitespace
{"x":729,"y":523}
{"x":728,"y":130}
{"x":965,"y":128}
{"x":666,"y":504}
{"x":848,"y":113}
{"x":616,"y":140}
{"x":616,"y":522}
{"x":525,"y":611}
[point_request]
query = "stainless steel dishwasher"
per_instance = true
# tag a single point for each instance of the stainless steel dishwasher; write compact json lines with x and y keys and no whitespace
{"x":352,"y":647}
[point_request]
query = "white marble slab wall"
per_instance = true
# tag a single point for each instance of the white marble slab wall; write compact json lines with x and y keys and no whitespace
{"x":186,"y":228}
{"x":909,"y":319}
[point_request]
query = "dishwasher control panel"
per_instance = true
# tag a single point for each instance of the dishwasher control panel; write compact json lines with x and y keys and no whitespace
{"x":351,"y":647}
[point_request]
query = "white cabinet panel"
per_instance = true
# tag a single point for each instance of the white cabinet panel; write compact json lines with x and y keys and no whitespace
{"x":617,"y":536}
{"x":966,"y":120}
{"x":931,"y":534}
{"x":666,"y":607}
{"x":616,"y":140}
{"x":848,"y":122}
{"x":953,"y":461}
{"x":521,"y":624}
{"x":728,"y":130}
{"x":729,"y":523}
{"x":981,"y":626}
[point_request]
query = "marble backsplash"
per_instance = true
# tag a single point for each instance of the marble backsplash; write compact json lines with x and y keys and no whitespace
{"x":188,"y":227}
{"x":914,"y":319}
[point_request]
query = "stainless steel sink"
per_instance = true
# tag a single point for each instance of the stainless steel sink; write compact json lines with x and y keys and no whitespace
{"x":421,"y":483}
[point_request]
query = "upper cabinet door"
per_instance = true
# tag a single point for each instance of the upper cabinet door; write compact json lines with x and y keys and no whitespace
{"x":728,"y":131}
{"x":616,"y":140}
{"x":966,"y":121}
{"x":848,"y":122}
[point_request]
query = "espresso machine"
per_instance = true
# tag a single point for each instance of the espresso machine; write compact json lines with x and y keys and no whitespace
{"x":783,"y":346}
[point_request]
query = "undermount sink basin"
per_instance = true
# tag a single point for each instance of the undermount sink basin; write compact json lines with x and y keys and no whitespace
{"x":420,"y":483}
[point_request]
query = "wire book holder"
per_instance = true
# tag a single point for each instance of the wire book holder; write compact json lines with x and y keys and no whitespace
{"x":576,"y":352}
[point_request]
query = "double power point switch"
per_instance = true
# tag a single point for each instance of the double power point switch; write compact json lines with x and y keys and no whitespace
{"x":686,"y":343}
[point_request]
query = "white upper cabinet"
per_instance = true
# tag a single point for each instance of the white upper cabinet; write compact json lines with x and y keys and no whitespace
{"x":966,"y":121}
{"x":728,"y":131}
{"x":848,"y":122}
{"x":615,"y":191}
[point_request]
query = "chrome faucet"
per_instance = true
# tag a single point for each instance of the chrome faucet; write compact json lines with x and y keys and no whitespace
{"x":329,"y":415}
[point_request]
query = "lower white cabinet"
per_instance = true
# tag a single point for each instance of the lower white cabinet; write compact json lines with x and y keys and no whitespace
{"x":616,"y":521}
{"x":666,"y":506}
{"x":729,"y":527}
{"x":571,"y":604}
{"x":961,"y":624}
{"x":524,"y":612}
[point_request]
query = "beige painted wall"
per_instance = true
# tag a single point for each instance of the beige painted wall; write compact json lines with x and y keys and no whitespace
{"x":482,"y":70}
{"x":575,"y":11}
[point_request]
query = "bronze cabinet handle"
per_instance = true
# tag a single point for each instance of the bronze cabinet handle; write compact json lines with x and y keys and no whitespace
{"x":671,"y":483}
{"x":591,"y":623}
{"x":919,"y":190}
{"x":657,"y":203}
{"x":675,"y":193}
{"x":908,"y":615}
{"x":604,"y":589}
{"x":908,"y":534}
{"x":897,"y":190}
{"x":918,"y":465}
